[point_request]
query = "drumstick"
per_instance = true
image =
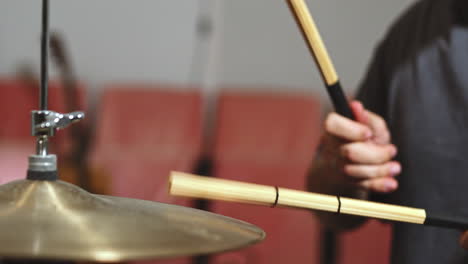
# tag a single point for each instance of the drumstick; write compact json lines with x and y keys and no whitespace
{"x":189,"y":185}
{"x":322,"y":59}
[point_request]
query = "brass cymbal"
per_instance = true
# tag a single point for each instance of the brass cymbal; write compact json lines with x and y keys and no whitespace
{"x":57,"y":220}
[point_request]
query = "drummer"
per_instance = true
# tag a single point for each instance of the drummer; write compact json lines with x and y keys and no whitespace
{"x":410,"y":143}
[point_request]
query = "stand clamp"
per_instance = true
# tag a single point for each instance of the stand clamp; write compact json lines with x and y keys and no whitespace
{"x":44,"y":124}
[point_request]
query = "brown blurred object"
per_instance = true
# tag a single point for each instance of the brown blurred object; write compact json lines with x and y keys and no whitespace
{"x":74,"y":168}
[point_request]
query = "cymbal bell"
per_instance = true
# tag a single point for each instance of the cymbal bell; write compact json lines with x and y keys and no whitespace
{"x":58,"y":220}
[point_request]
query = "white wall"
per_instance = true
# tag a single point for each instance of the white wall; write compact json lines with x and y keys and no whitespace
{"x":109,"y":39}
{"x":154,"y":39}
{"x":262,"y":44}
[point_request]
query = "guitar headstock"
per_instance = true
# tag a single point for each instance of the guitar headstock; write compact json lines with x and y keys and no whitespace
{"x":58,"y":51}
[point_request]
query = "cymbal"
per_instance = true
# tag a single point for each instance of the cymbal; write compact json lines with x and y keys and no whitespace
{"x":58,"y":220}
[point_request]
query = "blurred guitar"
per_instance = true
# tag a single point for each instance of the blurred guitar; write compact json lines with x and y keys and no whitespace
{"x":75,"y":167}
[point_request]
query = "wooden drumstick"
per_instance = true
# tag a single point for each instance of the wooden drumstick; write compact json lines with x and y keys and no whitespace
{"x":320,"y":54}
{"x":189,"y":185}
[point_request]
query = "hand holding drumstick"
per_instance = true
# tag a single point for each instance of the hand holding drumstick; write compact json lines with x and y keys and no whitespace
{"x":361,"y":151}
{"x":376,"y":176}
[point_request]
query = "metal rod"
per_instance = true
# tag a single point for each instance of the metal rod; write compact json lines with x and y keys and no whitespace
{"x":42,"y":146}
{"x":44,"y":56}
{"x":42,"y":141}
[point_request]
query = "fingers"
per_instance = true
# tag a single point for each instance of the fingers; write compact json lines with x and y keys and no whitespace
{"x":379,"y":128}
{"x":382,"y":185}
{"x":367,"y":158}
{"x":345,"y":128}
{"x":376,"y":178}
{"x":368,"y":152}
{"x":363,"y":172}
{"x":368,"y":125}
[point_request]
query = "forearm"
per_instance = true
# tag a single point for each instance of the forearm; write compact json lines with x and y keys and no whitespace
{"x":327,"y":177}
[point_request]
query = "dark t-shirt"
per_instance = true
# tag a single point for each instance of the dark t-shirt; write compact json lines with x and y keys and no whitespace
{"x":418,"y":81}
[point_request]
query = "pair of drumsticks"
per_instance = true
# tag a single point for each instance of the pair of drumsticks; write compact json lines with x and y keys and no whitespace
{"x":183,"y":184}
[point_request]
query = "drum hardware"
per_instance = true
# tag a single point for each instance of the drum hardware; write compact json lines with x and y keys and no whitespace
{"x":43,"y":218}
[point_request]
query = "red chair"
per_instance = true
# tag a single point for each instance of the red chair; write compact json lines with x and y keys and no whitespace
{"x":269,"y":138}
{"x":18,"y":99}
{"x":144,"y":132}
{"x":367,"y":245}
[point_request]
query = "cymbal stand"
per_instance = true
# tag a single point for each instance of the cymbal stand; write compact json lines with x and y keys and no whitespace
{"x":45,"y":123}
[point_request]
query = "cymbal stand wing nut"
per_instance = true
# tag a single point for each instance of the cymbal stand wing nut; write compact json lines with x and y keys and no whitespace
{"x":44,"y":124}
